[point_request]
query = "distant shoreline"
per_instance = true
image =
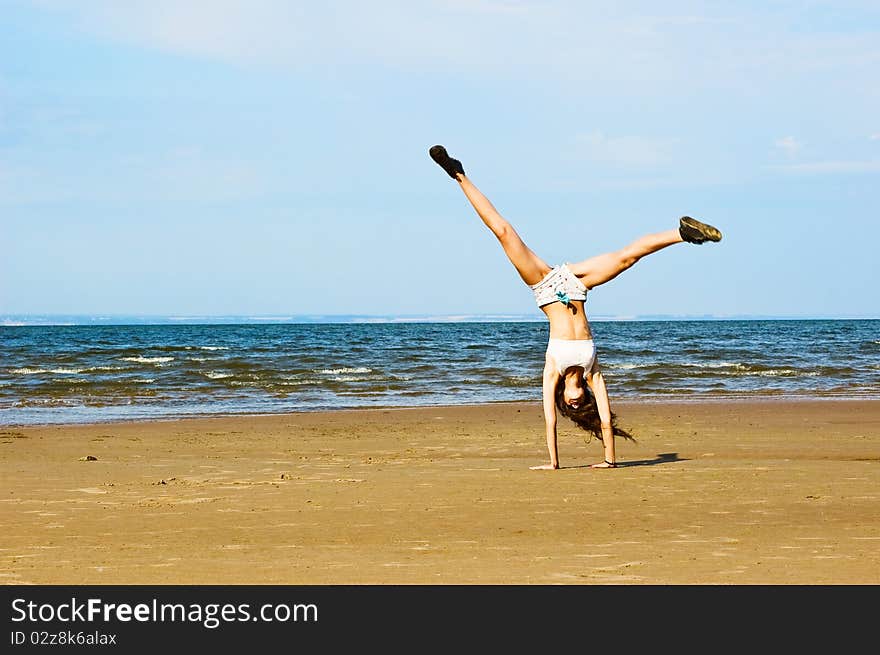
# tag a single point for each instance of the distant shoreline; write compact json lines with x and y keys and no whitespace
{"x":66,"y":320}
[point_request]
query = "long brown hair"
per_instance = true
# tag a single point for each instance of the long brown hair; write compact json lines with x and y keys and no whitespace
{"x":586,"y":417}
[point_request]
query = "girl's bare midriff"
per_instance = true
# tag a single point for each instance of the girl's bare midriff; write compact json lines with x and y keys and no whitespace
{"x":568,"y":322}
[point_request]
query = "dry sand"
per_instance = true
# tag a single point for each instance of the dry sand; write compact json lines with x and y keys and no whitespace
{"x":713,"y":493}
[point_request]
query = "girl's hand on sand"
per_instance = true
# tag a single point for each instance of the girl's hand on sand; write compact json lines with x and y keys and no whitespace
{"x":544,"y":467}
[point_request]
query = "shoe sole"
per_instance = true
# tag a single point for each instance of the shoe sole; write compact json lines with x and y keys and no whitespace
{"x":709,"y":232}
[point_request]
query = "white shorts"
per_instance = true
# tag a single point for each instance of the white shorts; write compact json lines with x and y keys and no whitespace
{"x":572,"y":352}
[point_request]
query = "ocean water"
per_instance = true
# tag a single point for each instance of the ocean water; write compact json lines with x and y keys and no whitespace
{"x":71,"y":374}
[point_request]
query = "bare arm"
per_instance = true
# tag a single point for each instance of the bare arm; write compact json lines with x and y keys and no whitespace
{"x":597,"y":385}
{"x":551,"y":376}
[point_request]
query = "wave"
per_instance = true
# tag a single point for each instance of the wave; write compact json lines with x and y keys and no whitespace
{"x":214,"y":375}
{"x":147,"y":360}
{"x":785,"y":372}
{"x":171,"y":348}
{"x":517,"y":381}
{"x":629,"y":366}
{"x":57,"y":371}
{"x":44,"y":402}
{"x":337,"y":371}
{"x":65,"y":370}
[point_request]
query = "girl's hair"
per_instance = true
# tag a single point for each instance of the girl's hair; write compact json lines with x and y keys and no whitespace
{"x":586,"y":417}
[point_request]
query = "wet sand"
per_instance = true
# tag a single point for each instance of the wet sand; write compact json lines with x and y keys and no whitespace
{"x":713,"y":493}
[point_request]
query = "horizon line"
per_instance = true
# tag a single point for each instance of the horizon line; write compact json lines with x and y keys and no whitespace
{"x":107,"y":319}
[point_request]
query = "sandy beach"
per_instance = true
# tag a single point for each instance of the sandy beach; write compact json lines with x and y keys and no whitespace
{"x":725,"y":493}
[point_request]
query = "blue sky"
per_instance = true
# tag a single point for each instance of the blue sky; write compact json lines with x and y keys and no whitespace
{"x":269,"y":157}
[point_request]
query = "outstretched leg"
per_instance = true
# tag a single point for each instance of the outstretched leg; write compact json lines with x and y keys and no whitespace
{"x":530,"y":267}
{"x":602,"y":268}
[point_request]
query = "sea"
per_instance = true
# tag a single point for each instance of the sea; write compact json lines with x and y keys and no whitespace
{"x":58,"y":374}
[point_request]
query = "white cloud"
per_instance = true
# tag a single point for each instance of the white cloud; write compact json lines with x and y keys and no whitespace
{"x":188,"y":172}
{"x":692,"y":20}
{"x":626,"y":151}
{"x":184,"y":174}
{"x":789,"y":146}
{"x":568,"y":39}
{"x":875,"y":136}
{"x":687,"y":68}
{"x":20,"y":182}
{"x":300,"y":35}
{"x":866,"y":166}
{"x":490,"y":6}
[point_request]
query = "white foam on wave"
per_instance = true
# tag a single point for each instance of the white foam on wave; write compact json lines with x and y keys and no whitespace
{"x":147,"y":360}
{"x":64,"y":371}
{"x":787,"y":372}
{"x":214,"y":375}
{"x":44,"y":402}
{"x":733,"y":365}
{"x":630,"y":366}
{"x":337,"y":371}
{"x":206,"y":348}
{"x":57,"y":371}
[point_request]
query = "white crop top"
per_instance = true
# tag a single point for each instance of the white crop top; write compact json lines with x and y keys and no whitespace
{"x":559,"y":285}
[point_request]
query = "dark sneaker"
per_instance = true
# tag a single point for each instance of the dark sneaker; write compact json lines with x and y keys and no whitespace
{"x":693,"y":231}
{"x":447,"y":163}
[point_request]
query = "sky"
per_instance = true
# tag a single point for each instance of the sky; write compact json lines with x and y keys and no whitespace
{"x":267,"y":157}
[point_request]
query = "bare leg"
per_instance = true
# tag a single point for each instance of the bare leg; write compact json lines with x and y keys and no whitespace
{"x":592,"y":272}
{"x":530,"y":267}
{"x":602,"y":268}
{"x":596,"y":382}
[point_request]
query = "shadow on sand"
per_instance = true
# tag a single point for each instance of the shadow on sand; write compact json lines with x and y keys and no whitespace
{"x":660,"y":458}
